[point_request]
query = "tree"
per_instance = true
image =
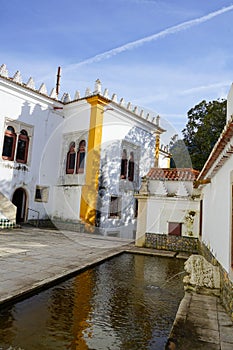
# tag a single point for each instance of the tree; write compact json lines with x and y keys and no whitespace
{"x":205,"y":123}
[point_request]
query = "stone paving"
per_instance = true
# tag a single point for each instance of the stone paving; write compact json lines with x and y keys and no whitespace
{"x":202,"y":323}
{"x":31,"y":258}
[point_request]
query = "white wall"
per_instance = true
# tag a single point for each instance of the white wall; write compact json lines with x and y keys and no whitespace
{"x":141,"y":221}
{"x":172,"y":187}
{"x":22,"y":105}
{"x":216,"y":232}
{"x":164,"y":162}
{"x":67,"y":203}
{"x":75,"y":119}
{"x":162,"y":210}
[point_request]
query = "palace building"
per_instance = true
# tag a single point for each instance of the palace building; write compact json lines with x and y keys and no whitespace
{"x":74,"y":162}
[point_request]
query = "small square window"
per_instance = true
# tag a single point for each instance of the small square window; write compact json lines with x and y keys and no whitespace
{"x":115,"y":207}
{"x":41,"y":194}
{"x":175,"y":228}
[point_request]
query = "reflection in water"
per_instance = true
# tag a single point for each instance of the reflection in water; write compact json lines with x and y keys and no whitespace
{"x":128,"y":302}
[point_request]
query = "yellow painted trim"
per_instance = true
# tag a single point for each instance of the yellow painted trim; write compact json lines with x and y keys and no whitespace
{"x":157,"y":145}
{"x":90,"y":190}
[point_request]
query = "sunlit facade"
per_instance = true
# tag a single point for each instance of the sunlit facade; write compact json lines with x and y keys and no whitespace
{"x":75,"y":162}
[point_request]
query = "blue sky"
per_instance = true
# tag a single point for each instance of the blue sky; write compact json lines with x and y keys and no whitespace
{"x":166,"y":56}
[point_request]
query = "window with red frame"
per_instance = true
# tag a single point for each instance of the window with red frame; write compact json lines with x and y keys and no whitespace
{"x":70,"y":159}
{"x":8,"y":150}
{"x":81,"y":157}
{"x":22,"y":147}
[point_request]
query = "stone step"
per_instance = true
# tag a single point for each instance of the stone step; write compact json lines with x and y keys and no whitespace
{"x":7,"y":208}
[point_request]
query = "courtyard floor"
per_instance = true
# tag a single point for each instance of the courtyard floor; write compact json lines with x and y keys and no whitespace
{"x":30,"y":258}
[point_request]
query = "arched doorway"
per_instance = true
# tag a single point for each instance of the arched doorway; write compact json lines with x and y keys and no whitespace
{"x":19,"y":200}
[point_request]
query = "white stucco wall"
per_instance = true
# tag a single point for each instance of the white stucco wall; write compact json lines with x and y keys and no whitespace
{"x":24,"y":106}
{"x":141,"y":221}
{"x":217,"y":207}
{"x":161,"y":211}
{"x":74,"y":126}
{"x":67,"y":203}
{"x":164,"y":161}
{"x":122,"y":130}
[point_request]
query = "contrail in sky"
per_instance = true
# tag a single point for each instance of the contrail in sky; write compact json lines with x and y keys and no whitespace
{"x":133,"y":44}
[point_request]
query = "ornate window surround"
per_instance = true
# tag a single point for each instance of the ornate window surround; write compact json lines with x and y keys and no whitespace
{"x":130,"y":161}
{"x":22,"y":133}
{"x":77,"y":138}
{"x":41,"y":194}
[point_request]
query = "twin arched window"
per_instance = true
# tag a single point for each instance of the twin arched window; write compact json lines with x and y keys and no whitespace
{"x":75,"y":160}
{"x":127,"y":166}
{"x":9,"y":145}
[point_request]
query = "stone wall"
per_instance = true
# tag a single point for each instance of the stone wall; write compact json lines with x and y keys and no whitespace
{"x":193,"y":245}
{"x":174,"y":243}
{"x":226,"y":285}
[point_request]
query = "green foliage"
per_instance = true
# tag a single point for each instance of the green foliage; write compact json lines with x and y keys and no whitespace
{"x":205,"y":123}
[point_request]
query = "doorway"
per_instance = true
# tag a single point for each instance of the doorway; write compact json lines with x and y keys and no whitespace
{"x":19,"y":200}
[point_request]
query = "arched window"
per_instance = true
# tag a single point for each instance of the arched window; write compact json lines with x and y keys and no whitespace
{"x":131,"y":167}
{"x":9,"y":144}
{"x":22,"y":147}
{"x":124,"y":162}
{"x":81,"y":157}
{"x":70,"y":159}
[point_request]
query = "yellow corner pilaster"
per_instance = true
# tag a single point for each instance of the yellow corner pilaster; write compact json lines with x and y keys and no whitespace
{"x":90,"y":190}
{"x":157,"y":145}
{"x":168,"y":162}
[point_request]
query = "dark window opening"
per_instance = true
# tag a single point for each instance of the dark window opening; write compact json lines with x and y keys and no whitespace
{"x":115,"y":207}
{"x":38,"y":194}
{"x":124,"y":163}
{"x":41,"y":194}
{"x":131,"y":167}
{"x":70,"y":159}
{"x":9,"y":144}
{"x":81,"y":157}
{"x":22,"y":147}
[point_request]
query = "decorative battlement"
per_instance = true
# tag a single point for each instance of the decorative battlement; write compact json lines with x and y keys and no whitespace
{"x":66,"y":98}
{"x":17,"y":78}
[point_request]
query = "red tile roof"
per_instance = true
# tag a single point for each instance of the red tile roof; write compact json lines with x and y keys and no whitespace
{"x":175,"y":174}
{"x":222,"y":150}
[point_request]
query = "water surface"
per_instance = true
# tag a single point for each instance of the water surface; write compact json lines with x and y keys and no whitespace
{"x":128,"y":302}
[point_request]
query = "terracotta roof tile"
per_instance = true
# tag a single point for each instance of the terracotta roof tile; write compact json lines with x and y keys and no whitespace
{"x":174,"y":174}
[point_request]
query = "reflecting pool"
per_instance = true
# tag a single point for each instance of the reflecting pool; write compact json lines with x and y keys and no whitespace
{"x":128,"y":302}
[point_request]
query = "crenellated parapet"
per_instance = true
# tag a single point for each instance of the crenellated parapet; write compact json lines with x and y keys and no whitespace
{"x":66,"y":98}
{"x":30,"y":84}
